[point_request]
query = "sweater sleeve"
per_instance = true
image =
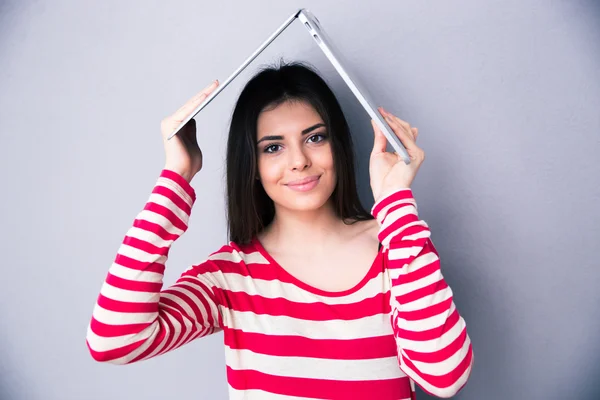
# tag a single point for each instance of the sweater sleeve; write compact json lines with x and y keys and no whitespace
{"x":434,"y":349}
{"x":134,"y":318}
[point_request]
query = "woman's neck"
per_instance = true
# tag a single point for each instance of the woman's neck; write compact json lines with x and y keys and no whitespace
{"x":293,"y":230}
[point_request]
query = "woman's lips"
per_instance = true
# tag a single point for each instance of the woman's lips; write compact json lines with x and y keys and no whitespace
{"x":308,"y":184}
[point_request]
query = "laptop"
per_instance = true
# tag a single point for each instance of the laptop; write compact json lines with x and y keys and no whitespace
{"x":314,"y":28}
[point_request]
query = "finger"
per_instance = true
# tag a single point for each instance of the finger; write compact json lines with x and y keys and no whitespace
{"x":200,"y":96}
{"x":379,"y":142}
{"x":414,"y":132}
{"x":399,"y":121}
{"x":411,"y":131}
{"x":195,"y":101}
{"x":403,"y":134}
{"x":405,"y":137}
{"x":204,"y":92}
{"x":402,"y":123}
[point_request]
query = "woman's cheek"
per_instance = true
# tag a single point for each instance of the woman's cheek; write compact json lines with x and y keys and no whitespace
{"x":269,"y":169}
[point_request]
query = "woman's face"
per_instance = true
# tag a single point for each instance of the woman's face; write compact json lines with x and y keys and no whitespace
{"x":295,"y":163}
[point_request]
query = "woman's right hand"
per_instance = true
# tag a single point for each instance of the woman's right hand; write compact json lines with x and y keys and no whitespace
{"x":182,"y":153}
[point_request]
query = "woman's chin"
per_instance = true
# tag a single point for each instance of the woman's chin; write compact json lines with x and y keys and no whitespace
{"x":305,"y":202}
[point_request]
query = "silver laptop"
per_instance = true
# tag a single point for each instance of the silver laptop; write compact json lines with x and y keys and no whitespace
{"x":314,"y":28}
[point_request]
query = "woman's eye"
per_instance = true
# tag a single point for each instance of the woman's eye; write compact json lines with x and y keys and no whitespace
{"x":320,"y":137}
{"x":274,"y":148}
{"x":271,"y":149}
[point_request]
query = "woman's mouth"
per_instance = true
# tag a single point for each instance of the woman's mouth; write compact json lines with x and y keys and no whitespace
{"x":304,"y":185}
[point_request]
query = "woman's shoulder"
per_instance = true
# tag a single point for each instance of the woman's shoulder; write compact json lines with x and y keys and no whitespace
{"x":233,"y":253}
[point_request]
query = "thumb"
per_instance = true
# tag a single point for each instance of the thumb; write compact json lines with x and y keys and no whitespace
{"x":379,"y":142}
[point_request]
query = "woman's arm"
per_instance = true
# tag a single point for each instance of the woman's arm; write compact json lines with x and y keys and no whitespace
{"x":134,"y":319}
{"x":434,"y":348}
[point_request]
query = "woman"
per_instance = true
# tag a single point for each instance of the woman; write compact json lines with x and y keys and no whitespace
{"x":316,"y":297}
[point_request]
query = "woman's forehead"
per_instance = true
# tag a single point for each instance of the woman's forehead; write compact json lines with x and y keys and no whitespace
{"x":290,"y":117}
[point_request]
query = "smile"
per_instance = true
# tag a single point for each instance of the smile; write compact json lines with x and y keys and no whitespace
{"x":305,"y":185}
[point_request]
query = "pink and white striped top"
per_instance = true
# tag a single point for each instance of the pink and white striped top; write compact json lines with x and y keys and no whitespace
{"x":283,"y":338}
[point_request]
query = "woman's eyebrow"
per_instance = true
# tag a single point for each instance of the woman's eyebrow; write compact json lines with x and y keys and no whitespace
{"x":279,"y":137}
{"x":312,"y":128}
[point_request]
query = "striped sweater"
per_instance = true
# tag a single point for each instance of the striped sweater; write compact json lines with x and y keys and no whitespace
{"x":283,"y":338}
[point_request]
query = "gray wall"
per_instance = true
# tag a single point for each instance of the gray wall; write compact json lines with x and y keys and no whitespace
{"x":506,"y":95}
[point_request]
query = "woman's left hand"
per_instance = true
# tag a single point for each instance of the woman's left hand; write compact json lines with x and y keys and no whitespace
{"x":388,"y":171}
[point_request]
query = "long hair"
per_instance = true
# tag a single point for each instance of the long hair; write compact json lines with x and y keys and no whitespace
{"x":249,"y":207}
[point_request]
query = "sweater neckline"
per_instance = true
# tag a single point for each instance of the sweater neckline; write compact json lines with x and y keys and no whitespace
{"x":373,"y":271}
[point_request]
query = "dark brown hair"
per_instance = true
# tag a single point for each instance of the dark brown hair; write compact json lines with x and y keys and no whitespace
{"x":249,"y":207}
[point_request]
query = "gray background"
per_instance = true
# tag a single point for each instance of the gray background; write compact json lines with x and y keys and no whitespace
{"x":506,"y":95}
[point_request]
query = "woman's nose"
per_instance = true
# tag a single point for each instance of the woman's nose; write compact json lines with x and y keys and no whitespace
{"x":298,"y":159}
